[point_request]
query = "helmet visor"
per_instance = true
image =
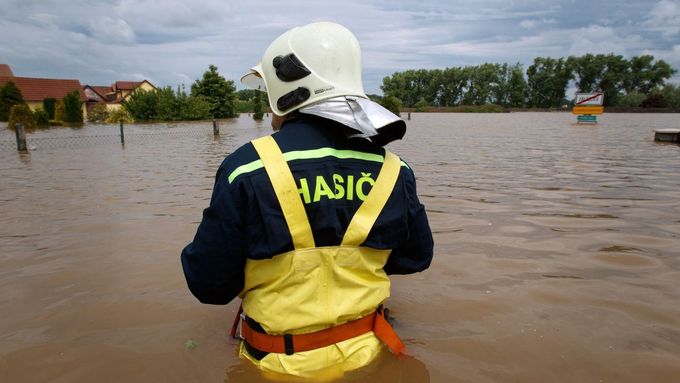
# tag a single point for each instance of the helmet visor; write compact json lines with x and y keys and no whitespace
{"x":253,"y":79}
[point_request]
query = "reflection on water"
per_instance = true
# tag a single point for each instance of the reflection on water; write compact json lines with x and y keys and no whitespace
{"x":557,"y":253}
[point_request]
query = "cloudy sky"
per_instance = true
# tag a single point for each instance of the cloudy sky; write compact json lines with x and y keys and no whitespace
{"x":171,"y":42}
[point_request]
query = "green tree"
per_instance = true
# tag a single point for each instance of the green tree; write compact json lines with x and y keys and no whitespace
{"x":73,"y":107}
{"x":409,"y":86}
{"x":21,"y":114}
{"x":454,"y":82}
{"x":607,"y":73}
{"x":517,"y":86}
{"x":142,"y":105}
{"x":258,"y":113}
{"x":49,"y":104}
{"x":612,"y":81}
{"x":218,"y":91}
{"x":588,"y":71}
{"x":481,"y":82}
{"x":10,"y":95}
{"x":643,"y":75}
{"x":547,"y":81}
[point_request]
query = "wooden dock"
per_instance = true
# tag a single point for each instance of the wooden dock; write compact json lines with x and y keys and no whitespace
{"x":667,"y":135}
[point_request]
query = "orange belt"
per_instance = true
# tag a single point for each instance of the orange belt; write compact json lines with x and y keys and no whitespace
{"x":290,"y":344}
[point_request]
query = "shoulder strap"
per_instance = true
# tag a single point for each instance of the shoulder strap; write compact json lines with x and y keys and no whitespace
{"x":368,"y":212}
{"x":286,"y":191}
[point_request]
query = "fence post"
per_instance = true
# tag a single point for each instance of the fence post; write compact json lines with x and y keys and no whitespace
{"x":216,"y":128}
{"x":21,"y":137}
{"x":122,"y":134}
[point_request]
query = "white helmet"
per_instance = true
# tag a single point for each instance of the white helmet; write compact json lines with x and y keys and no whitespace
{"x":307,"y":64}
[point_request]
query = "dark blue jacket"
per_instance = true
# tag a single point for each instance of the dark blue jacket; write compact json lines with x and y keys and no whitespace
{"x":244,"y":219}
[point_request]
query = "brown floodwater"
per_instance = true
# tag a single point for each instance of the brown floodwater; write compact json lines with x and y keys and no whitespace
{"x":557,"y":253}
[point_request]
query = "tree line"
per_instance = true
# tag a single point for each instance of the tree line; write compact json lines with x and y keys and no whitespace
{"x":639,"y":81}
{"x":542,"y":85}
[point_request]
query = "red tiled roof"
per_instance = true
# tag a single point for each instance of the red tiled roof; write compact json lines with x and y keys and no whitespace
{"x":37,"y":89}
{"x":127,"y":85}
{"x":102,"y":91}
{"x":5,"y":71}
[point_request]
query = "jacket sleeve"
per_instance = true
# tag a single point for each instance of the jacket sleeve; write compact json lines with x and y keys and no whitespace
{"x":415,"y":253}
{"x":214,"y":262}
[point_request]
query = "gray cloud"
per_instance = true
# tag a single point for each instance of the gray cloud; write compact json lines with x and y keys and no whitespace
{"x":171,"y":42}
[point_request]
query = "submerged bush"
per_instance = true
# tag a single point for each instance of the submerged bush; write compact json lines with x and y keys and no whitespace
{"x":42,"y":118}
{"x":119,"y":115}
{"x":99,"y":113}
{"x":49,"y":104}
{"x":73,"y":107}
{"x":392,"y":104}
{"x":21,"y":114}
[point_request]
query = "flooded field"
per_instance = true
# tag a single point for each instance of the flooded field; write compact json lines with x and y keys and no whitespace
{"x":557,"y":253}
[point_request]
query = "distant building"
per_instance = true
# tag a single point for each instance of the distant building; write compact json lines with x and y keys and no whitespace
{"x":35,"y":90}
{"x":114,"y":95}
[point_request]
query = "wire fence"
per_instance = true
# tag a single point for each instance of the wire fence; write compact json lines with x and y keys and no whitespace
{"x":131,"y":136}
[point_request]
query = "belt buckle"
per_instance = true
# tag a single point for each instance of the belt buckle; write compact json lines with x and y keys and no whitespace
{"x":240,"y":326}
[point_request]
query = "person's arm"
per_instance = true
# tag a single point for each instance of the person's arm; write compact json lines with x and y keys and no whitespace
{"x":415,"y":254}
{"x":214,"y":262}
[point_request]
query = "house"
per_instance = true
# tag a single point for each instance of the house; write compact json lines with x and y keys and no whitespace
{"x":35,"y":90}
{"x":114,"y":95}
{"x":5,"y":71}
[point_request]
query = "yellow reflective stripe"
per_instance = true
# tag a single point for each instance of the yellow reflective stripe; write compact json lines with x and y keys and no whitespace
{"x":247,"y":168}
{"x":368,"y":212}
{"x":286,"y":191}
{"x":311,"y":154}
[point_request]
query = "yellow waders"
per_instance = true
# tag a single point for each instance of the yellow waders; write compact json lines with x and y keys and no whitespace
{"x":313,"y":288}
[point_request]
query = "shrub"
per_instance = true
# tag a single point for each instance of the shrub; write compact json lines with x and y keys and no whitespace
{"x":486,"y":108}
{"x":21,"y":114}
{"x":59,"y":112}
{"x":10,"y":95}
{"x":241,"y":106}
{"x":196,"y":108}
{"x":631,"y":100}
{"x":99,"y":113}
{"x":422,"y":105}
{"x":42,"y":118}
{"x":392,"y":104}
{"x":671,"y":93}
{"x":142,"y":105}
{"x":654,"y":100}
{"x":49,"y":105}
{"x":73,"y":107}
{"x":119,"y":115}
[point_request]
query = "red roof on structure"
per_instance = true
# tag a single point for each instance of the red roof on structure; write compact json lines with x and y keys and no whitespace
{"x":37,"y":89}
{"x":127,"y":85}
{"x":5,"y":71}
{"x":102,"y":91}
